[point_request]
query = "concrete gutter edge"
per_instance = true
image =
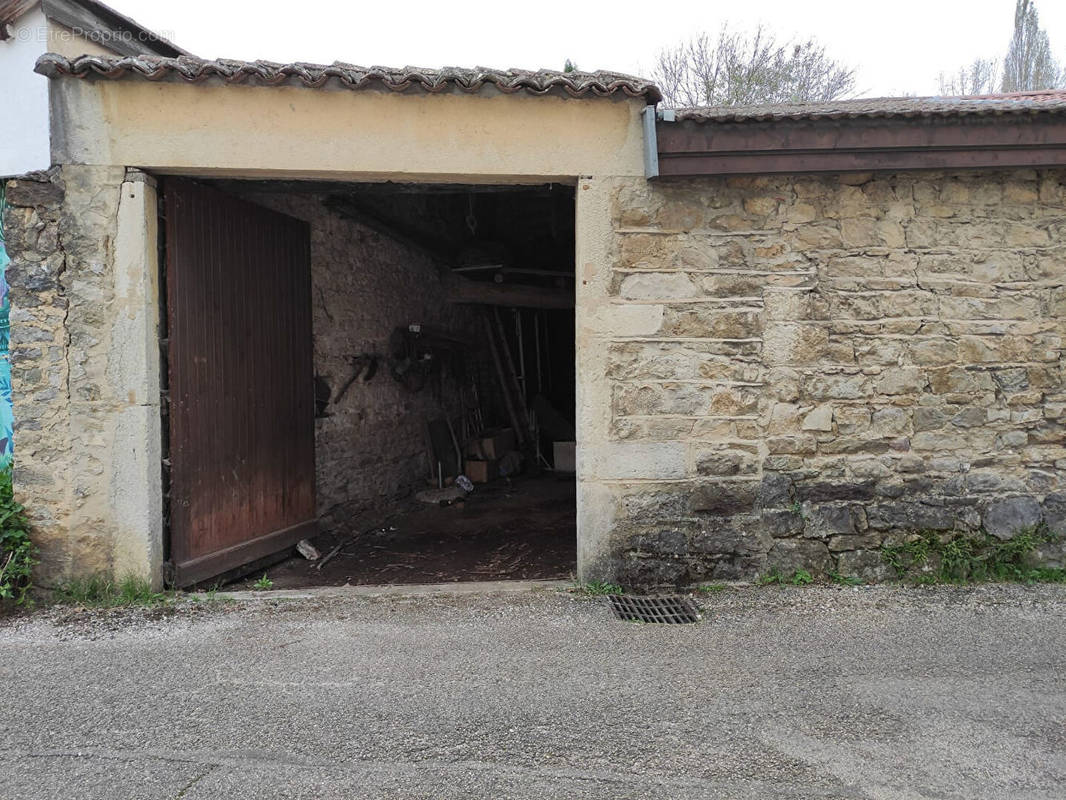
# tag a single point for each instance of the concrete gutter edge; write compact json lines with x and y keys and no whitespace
{"x":394,"y":590}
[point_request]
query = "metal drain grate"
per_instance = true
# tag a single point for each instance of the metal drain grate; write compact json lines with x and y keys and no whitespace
{"x":669,"y":610}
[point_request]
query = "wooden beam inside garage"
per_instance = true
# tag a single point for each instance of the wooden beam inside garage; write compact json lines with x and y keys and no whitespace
{"x":461,"y":290}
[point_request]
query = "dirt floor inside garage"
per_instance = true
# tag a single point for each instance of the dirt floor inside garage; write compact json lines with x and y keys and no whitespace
{"x":507,"y":530}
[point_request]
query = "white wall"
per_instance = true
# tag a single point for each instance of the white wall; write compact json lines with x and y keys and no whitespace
{"x":24,"y":144}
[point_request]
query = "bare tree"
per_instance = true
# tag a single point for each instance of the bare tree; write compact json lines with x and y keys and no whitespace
{"x":1029,"y":65}
{"x":740,"y":69}
{"x":980,"y":77}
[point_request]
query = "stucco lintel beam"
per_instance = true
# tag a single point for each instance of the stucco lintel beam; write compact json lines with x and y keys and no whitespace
{"x":687,"y":149}
{"x":289,"y":132}
{"x":331,"y":180}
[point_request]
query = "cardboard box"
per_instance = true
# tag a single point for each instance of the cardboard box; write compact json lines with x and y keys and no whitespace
{"x":494,"y":445}
{"x":482,"y":471}
{"x":565,"y":456}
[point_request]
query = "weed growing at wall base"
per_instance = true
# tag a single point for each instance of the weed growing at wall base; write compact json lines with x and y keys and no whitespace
{"x":711,"y":588}
{"x":844,"y":580}
{"x":599,"y":588}
{"x":262,"y":584}
{"x":17,"y":553}
{"x":960,"y":558}
{"x":102,"y":592}
{"x":800,"y":577}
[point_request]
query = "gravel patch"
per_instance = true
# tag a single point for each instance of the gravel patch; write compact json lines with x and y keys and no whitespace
{"x":813,"y":692}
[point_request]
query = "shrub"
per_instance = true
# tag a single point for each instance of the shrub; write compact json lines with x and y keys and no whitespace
{"x":17,"y":553}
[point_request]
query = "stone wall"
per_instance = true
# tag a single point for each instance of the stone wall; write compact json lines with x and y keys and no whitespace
{"x":773,"y":372}
{"x":82,"y":340}
{"x":821,"y":365}
{"x":84,"y":350}
{"x":39,"y":363}
{"x":370,"y":449}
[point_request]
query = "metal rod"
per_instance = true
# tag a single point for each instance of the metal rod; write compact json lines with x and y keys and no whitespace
{"x":514,"y":270}
{"x":548,"y":355}
{"x":504,"y":388}
{"x":520,"y":398}
{"x":521,"y":352}
{"x":535,"y":428}
{"x":478,"y":268}
{"x":458,"y":450}
{"x":536,"y":338}
{"x":479,"y":422}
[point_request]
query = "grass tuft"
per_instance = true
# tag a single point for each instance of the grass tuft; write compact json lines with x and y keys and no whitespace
{"x":711,"y":588}
{"x":844,"y":580}
{"x":101,"y":592}
{"x":598,"y":588}
{"x":775,"y":577}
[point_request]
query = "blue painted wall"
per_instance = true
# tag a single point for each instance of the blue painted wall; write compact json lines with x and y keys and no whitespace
{"x":6,"y":416}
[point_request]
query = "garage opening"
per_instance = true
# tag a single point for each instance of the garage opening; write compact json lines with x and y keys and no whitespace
{"x":437,"y":382}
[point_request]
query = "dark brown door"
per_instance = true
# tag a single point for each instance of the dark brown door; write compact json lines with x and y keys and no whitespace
{"x":241,"y":381}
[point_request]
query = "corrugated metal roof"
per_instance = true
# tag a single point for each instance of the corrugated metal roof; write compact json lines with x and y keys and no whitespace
{"x":268,"y":73}
{"x":983,"y":105}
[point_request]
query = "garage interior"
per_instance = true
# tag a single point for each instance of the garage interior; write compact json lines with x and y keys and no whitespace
{"x":442,"y":320}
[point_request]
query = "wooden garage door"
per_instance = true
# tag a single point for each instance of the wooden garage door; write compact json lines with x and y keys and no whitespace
{"x":241,"y":381}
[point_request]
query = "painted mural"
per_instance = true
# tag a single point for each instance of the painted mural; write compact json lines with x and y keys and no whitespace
{"x":6,"y":416}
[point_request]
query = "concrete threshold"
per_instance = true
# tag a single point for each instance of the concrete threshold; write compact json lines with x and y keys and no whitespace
{"x":463,"y":588}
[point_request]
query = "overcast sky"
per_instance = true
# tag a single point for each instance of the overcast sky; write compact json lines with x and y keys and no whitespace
{"x":898,"y":46}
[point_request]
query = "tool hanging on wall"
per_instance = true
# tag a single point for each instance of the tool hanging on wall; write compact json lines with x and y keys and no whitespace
{"x":417,"y":354}
{"x":367,"y":362}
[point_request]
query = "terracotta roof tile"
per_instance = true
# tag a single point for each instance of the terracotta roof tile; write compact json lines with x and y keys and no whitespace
{"x":574,"y":84}
{"x":267,"y":73}
{"x":11,"y":10}
{"x":984,"y":105}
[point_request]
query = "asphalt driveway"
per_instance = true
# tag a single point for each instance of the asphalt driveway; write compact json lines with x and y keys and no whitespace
{"x":781,"y":692}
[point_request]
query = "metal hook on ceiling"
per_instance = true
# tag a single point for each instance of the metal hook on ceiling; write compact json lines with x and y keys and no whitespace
{"x":471,"y":219}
